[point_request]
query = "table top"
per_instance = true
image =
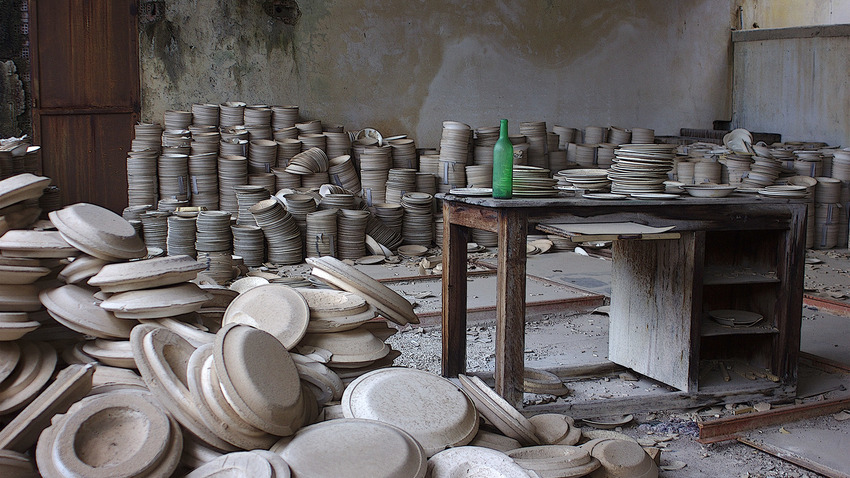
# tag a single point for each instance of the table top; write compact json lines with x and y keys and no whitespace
{"x":567,"y":200}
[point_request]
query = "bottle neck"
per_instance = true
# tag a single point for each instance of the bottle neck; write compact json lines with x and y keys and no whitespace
{"x":503,"y":129}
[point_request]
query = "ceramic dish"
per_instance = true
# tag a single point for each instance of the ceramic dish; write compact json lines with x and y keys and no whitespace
{"x":556,"y":429}
{"x":165,"y":301}
{"x":498,"y":411}
{"x":146,"y":274}
{"x":485,"y":192}
{"x":709,"y":190}
{"x":432,"y":409}
{"x":473,"y":461}
{"x":21,"y":187}
{"x":735,"y":318}
{"x":275,"y":308}
{"x":14,"y":325}
{"x":77,"y":309}
{"x":99,"y":232}
{"x":36,"y":244}
{"x":30,"y":376}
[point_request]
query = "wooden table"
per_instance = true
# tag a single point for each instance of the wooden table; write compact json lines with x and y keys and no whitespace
{"x":740,"y":231}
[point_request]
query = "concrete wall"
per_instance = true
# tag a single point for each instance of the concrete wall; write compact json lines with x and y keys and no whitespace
{"x":793,"y":13}
{"x":404,"y":66}
{"x":795,"y":86}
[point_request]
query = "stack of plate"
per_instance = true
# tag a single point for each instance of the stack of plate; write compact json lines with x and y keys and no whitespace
{"x":258,"y":115}
{"x":708,"y":171}
{"x":313,"y":160}
{"x":605,"y":155}
{"x":321,"y":237}
{"x":426,"y":183}
{"x":418,"y":220}
{"x":456,"y":143}
{"x":247,"y":196}
{"x":827,"y":224}
{"x":13,"y":326}
{"x":452,"y":175}
{"x":382,"y":235}
{"x":585,"y":155}
{"x":262,"y":156}
{"x":232,"y":172}
{"x":173,"y":174}
{"x":619,"y":136}
{"x":205,"y":114}
{"x":235,"y":147}
{"x":351,"y":230}
{"x":735,"y":318}
{"x":594,"y":135}
{"x":299,"y":205}
{"x":313,"y":141}
{"x":566,"y":135}
{"x":808,"y":163}
{"x":281,"y":231}
{"x":213,"y":232}
{"x":536,"y":137}
{"x":358,"y":146}
{"x":207,"y":142}
{"x":341,"y":172}
{"x":268,"y":181}
{"x":285,"y":133}
{"x":231,"y":113}
{"x":375,"y":164}
{"x":181,"y":235}
{"x":399,"y":181}
{"x":404,"y":153}
{"x":531,"y":181}
{"x":391,"y":215}
{"x":155,"y":228}
{"x":170,"y":204}
{"x":148,"y":137}
{"x":486,"y":137}
{"x":177,"y":141}
{"x":309,"y":127}
{"x":641,"y":168}
{"x":248,"y":243}
{"x":203,"y":180}
{"x":337,"y":201}
{"x":286,"y":149}
{"x":643,"y":136}
{"x":828,"y":190}
{"x":338,"y":144}
{"x":786,"y":191}
{"x":314,"y":180}
{"x":142,"y":185}
{"x":284,"y":180}
{"x":685,"y":172}
{"x":483,"y":155}
{"x":174,"y":120}
{"x":557,"y":159}
{"x":430,"y":163}
{"x":284,"y":116}
{"x":218,"y":265}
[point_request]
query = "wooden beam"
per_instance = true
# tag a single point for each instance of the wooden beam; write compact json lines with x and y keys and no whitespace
{"x":455,"y":238}
{"x":832,"y":306}
{"x":729,"y":426}
{"x":510,"y":305}
{"x":794,"y":458}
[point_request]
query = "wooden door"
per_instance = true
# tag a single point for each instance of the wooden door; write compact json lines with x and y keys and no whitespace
{"x":85,"y":65}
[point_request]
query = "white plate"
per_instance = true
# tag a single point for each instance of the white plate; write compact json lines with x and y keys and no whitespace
{"x":472,"y":191}
{"x":604,"y":196}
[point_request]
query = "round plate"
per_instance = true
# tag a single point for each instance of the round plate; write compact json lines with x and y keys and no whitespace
{"x":498,"y":411}
{"x":472,"y":192}
{"x":651,"y":196}
{"x":427,"y":406}
{"x":98,"y":232}
{"x":607,"y":423}
{"x":474,"y":461}
{"x":275,"y":308}
{"x":604,"y":196}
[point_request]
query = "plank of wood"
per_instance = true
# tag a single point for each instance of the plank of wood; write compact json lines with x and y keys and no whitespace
{"x":729,"y":426}
{"x":510,"y":306}
{"x":795,"y":458}
{"x":455,"y":238}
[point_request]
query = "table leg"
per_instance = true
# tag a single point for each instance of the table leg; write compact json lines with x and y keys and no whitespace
{"x":455,"y":238}
{"x":510,"y":306}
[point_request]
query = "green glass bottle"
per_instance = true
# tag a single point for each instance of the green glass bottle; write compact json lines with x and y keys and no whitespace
{"x":503,"y":164}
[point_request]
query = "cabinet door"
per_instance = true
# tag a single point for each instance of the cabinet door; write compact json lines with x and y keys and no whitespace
{"x":656,"y":296}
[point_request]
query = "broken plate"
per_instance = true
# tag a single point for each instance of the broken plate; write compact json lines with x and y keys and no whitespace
{"x":556,"y":429}
{"x":335,"y":310}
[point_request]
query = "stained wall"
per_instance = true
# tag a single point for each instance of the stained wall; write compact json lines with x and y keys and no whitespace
{"x":404,"y":66}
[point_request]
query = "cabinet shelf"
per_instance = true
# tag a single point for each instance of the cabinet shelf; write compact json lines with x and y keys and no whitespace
{"x":718,"y":275}
{"x":710,"y":328}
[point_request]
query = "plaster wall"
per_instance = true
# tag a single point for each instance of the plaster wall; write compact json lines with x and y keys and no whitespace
{"x":404,"y":66}
{"x":793,"y":13}
{"x":795,"y":86}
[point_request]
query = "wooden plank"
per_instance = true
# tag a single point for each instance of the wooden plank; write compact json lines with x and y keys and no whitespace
{"x":767,"y":34}
{"x":729,"y":426}
{"x":652,"y":305}
{"x":794,"y":458}
{"x":832,"y":306}
{"x":455,"y":238}
{"x":789,"y":307}
{"x":510,"y":306}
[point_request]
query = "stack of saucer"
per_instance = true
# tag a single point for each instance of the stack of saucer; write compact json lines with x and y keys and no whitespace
{"x":351,"y":230}
{"x":321,"y":238}
{"x":404,"y":153}
{"x":247,"y":196}
{"x":203,"y":180}
{"x":641,"y":168}
{"x":341,"y":172}
{"x":281,"y":231}
{"x":155,"y":229}
{"x":418,"y":220}
{"x":173,"y":175}
{"x":181,"y":234}
{"x":530,"y":181}
{"x":399,"y":182}
{"x":232,"y":172}
{"x":248,"y":244}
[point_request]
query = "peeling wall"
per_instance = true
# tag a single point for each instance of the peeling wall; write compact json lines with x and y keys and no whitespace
{"x":404,"y":66}
{"x":795,"y":86}
{"x":793,"y":13}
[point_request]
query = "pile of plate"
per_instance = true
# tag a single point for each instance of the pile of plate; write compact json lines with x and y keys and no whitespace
{"x":313,"y":160}
{"x":268,"y":181}
{"x":321,"y":237}
{"x":213,"y":231}
{"x":452,"y":175}
{"x":205,"y":142}
{"x":375,"y":165}
{"x":313,"y":141}
{"x":309,"y":127}
{"x":155,"y":228}
{"x":205,"y":114}
{"x":341,"y":172}
{"x":808,"y":163}
{"x":456,"y":143}
{"x":247,"y":196}
{"x":281,"y":231}
{"x":418,"y":220}
{"x":203,"y":180}
{"x":430,"y":163}
{"x":337,"y":201}
{"x":339,"y":144}
{"x":382,"y":235}
{"x":173,"y":174}
{"x":299,"y":205}
{"x":284,"y":116}
{"x":231,"y":113}
{"x":391,"y":215}
{"x":641,"y":168}
{"x":262,"y":156}
{"x":605,"y":155}
{"x":531,"y":181}
{"x":404,"y":153}
{"x":566,"y":135}
{"x":735,"y":318}
{"x":399,"y":181}
{"x":147,"y":137}
{"x":536,"y":137}
{"x":351,"y":230}
{"x":708,"y":171}
{"x":174,"y":120}
{"x":643,"y":136}
{"x":176,"y":141}
{"x":557,"y":160}
{"x":232,"y":172}
{"x":181,"y":238}
{"x":142,"y":185}
{"x":284,"y":180}
{"x":286,"y":149}
{"x":619,"y":136}
{"x":585,"y":155}
{"x":248,"y":243}
{"x":314,"y":180}
{"x":258,"y":115}
{"x":290,"y":132}
{"x":594,"y":135}
{"x":426,"y":183}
